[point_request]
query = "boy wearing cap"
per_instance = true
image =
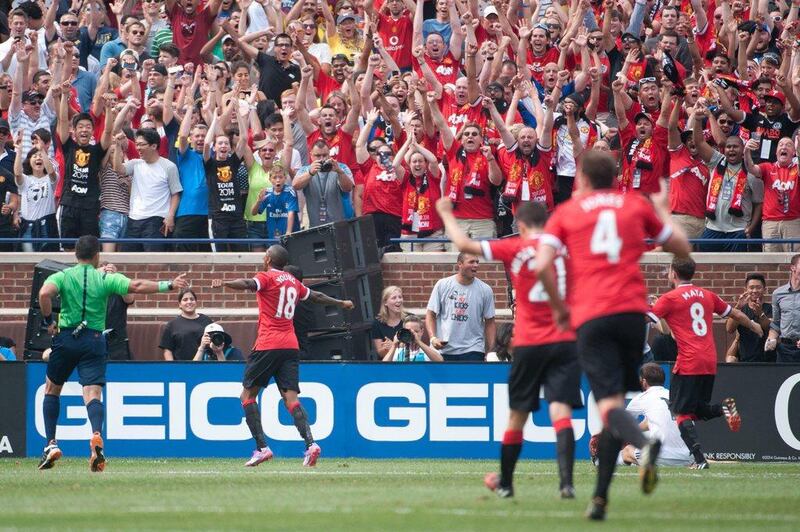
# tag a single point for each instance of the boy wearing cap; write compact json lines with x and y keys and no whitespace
{"x":217,"y":345}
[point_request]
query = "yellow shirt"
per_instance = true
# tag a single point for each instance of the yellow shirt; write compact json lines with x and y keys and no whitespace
{"x":351,"y":50}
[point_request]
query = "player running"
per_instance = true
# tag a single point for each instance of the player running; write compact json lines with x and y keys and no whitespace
{"x":689,"y":311}
{"x":604,"y":233}
{"x":275,"y":353}
{"x":543,"y":354}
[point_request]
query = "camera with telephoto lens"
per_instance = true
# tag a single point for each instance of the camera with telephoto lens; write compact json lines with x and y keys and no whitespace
{"x":405,"y":336}
{"x":217,"y":338}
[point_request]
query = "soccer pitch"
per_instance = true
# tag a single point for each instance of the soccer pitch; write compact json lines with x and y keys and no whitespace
{"x":383,"y":495}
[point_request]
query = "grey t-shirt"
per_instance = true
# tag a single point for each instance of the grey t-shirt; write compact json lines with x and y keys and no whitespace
{"x":753,"y":193}
{"x":460,"y":314}
{"x":152,"y":186}
{"x":324,"y":197}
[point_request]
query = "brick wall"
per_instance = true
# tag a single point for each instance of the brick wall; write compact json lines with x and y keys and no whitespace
{"x":415,"y":273}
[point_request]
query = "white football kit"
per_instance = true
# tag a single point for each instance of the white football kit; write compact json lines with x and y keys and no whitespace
{"x":653,"y":404}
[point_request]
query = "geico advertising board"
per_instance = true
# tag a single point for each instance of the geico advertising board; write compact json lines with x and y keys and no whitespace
{"x":368,"y":410}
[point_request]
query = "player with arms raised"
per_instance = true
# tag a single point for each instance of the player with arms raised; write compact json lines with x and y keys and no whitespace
{"x":689,"y":311}
{"x":604,"y":233}
{"x":276,"y":351}
{"x":543,"y":354}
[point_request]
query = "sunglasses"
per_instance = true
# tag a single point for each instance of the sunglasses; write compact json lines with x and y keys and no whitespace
{"x":371,"y":149}
{"x":69,"y":23}
{"x":724,"y":122}
{"x":35,"y":102}
{"x":132,"y":32}
{"x":309,"y":26}
{"x":644,"y":81}
{"x":471,"y":134}
{"x":283,"y":45}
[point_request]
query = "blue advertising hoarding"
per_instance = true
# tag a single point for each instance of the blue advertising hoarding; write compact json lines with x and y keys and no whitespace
{"x":175,"y":409}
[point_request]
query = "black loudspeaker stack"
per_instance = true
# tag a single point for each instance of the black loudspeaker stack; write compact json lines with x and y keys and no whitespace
{"x":37,"y":338}
{"x":341,"y":260}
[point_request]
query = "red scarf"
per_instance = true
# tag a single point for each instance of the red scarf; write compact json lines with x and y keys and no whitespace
{"x":717,"y":178}
{"x":419,"y":198}
{"x":455,"y":189}
{"x":639,"y":156}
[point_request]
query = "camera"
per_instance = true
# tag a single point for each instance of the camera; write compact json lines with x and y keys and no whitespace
{"x":405,"y":336}
{"x":217,"y":338}
{"x":326,"y":166}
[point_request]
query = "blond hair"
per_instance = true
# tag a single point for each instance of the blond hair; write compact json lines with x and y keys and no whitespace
{"x":383,"y":314}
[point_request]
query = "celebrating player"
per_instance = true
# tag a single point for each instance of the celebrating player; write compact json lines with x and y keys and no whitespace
{"x":604,"y":233}
{"x":689,"y":311}
{"x":275,"y":353}
{"x":543,"y":354}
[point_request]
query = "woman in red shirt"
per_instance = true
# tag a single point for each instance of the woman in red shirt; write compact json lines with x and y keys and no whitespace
{"x":381,"y":185}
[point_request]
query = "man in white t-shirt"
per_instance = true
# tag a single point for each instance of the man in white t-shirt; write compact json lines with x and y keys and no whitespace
{"x":155,"y":192}
{"x":653,"y":405}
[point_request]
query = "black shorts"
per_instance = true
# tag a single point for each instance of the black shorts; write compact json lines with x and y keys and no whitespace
{"x":283,"y":364}
{"x":688,"y":394}
{"x":76,"y":222}
{"x":87,"y":353}
{"x":610,"y":352}
{"x":554,"y":366}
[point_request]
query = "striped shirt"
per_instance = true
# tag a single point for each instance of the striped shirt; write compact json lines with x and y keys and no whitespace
{"x":22,"y":122}
{"x":115,"y":190}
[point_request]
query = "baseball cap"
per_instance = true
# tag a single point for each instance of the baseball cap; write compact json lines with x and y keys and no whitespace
{"x":31,"y":96}
{"x":772,"y":57}
{"x":346,"y":16}
{"x":490,"y":10}
{"x":159,"y":69}
{"x":628,"y":35}
{"x":576,"y":97}
{"x":640,"y":116}
{"x":226,"y":39}
{"x":216,"y":327}
{"x":776,"y":95}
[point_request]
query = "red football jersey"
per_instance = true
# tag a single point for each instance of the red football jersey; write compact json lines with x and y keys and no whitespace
{"x":341,"y":145}
{"x":689,"y":311}
{"x":397,"y":36}
{"x":533,"y":323}
{"x":604,"y":235}
{"x":781,"y":195}
{"x":278,"y":294}
{"x":689,"y":179}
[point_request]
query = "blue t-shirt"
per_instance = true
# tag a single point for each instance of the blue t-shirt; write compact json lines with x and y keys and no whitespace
{"x":194,"y":199}
{"x":7,"y":353}
{"x":278,"y":207}
{"x":85,"y":84}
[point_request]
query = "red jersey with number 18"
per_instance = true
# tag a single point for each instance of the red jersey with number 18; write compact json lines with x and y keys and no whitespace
{"x":689,"y":311}
{"x":604,"y":235}
{"x":278,"y":294}
{"x":533,"y":320}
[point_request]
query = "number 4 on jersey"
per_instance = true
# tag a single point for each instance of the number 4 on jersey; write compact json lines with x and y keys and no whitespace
{"x":605,"y":238}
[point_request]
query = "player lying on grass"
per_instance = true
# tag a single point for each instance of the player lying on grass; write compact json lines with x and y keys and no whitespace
{"x":276,"y":351}
{"x":544,"y":356}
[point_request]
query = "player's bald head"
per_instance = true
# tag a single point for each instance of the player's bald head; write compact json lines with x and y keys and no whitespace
{"x":599,"y":168}
{"x":278,"y":256}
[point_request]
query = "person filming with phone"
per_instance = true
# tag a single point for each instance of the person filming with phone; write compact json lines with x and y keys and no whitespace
{"x":217,"y":345}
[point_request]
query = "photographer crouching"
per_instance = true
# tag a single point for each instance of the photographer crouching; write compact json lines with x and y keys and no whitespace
{"x":216,"y":344}
{"x":408,"y":345}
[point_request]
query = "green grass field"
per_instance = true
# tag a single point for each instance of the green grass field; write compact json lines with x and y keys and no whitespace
{"x":347,"y":494}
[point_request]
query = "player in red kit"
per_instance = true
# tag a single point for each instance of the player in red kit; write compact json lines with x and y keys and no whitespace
{"x":689,"y":311}
{"x":275,"y":353}
{"x":544,"y":356}
{"x":603,"y":232}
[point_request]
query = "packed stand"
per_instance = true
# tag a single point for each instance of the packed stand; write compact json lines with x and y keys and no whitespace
{"x":253,"y":119}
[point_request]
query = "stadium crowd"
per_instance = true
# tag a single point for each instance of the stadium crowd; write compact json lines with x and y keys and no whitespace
{"x":251,"y":119}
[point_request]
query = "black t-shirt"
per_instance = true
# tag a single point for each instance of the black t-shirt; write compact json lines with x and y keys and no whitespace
{"x":224,"y":190}
{"x":771,"y":130}
{"x":81,"y":168}
{"x":751,"y":346}
{"x":303,"y":322}
{"x":117,"y":319}
{"x":7,"y":187}
{"x":182,"y":336}
{"x":275,"y":78}
{"x":380,"y":330}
